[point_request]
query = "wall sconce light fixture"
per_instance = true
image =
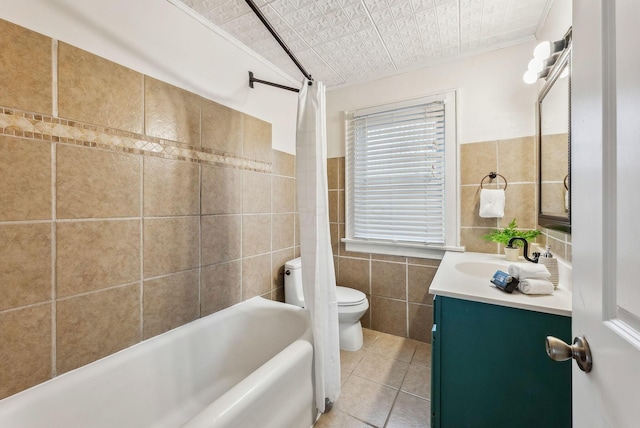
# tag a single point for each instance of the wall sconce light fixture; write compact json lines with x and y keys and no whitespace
{"x":545,"y":56}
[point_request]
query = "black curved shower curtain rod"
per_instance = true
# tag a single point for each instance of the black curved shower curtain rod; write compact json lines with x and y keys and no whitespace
{"x":283,"y":45}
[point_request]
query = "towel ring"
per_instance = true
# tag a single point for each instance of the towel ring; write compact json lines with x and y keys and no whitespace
{"x":566,"y":186}
{"x":492,"y":175}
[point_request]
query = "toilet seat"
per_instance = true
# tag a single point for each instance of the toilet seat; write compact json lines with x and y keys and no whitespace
{"x":349,"y":296}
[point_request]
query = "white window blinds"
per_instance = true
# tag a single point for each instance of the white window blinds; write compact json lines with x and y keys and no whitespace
{"x":398,"y":174}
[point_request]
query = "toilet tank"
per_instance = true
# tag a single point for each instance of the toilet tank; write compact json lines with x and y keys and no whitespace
{"x":293,"y":282}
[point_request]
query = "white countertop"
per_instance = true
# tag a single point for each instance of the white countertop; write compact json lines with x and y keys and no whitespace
{"x":466,"y":276}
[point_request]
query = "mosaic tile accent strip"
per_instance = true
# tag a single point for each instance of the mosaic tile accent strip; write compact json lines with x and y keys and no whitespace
{"x":41,"y":127}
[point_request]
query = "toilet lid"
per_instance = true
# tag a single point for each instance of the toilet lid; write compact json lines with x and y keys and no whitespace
{"x":348,"y":296}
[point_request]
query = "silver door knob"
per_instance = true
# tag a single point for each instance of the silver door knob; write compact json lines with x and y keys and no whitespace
{"x":557,"y":350}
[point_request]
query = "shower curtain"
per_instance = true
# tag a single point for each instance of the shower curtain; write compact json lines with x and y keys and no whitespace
{"x":318,"y":274}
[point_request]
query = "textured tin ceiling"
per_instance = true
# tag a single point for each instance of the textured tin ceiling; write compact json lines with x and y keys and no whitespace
{"x":347,"y":41}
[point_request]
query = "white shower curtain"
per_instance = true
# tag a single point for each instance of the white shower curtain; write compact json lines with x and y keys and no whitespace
{"x":318,"y":274}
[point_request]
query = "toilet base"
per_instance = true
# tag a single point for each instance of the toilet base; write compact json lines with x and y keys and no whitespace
{"x":350,"y":336}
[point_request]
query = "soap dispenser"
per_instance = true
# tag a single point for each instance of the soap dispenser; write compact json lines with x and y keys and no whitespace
{"x":551,"y":263}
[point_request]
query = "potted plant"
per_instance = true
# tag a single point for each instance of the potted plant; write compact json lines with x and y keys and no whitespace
{"x":502,"y":236}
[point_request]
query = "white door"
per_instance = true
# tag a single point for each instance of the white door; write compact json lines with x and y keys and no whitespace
{"x":606,"y":210}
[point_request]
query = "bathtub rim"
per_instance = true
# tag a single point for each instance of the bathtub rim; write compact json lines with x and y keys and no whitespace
{"x":15,"y":403}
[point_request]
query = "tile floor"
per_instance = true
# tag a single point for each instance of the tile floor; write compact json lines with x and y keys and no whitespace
{"x":385,"y":384}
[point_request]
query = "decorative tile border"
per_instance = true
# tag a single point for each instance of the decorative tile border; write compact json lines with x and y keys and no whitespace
{"x":41,"y":127}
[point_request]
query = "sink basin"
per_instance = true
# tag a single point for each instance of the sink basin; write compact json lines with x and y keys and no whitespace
{"x":481,"y":269}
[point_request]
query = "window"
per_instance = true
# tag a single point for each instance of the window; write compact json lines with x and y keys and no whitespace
{"x":401,"y":178}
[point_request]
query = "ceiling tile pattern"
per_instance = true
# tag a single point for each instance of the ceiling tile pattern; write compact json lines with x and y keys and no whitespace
{"x":347,"y":41}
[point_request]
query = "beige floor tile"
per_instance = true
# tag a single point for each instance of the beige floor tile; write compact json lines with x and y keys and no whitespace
{"x":338,"y":419}
{"x":409,"y":412}
{"x":366,"y":400}
{"x":369,"y":337}
{"x":396,"y":347}
{"x":349,"y":360}
{"x":418,"y":381}
{"x":343,"y":376}
{"x":381,"y":369}
{"x":422,"y":356}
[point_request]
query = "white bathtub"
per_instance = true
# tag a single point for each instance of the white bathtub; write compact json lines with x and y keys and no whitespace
{"x":246,"y":366}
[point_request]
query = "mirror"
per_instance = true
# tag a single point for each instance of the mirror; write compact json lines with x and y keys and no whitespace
{"x":554,"y":146}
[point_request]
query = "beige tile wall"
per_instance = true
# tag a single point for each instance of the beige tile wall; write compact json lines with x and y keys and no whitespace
{"x":25,"y":69}
{"x":94,"y":90}
{"x":559,"y":242}
{"x":397,"y":287}
{"x":516,"y":160}
{"x":141,"y":207}
{"x":554,"y":172}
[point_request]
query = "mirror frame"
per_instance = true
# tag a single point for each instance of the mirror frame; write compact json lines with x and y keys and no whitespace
{"x":546,"y":220}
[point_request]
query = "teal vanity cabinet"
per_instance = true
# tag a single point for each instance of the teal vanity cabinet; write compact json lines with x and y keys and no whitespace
{"x":490,"y":368}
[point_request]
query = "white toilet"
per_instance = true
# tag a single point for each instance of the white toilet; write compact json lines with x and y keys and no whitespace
{"x":352,"y":304}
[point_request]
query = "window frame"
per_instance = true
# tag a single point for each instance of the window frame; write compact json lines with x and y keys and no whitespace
{"x":451,"y":198}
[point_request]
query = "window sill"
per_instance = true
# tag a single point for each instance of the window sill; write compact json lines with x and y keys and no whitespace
{"x":404,"y":249}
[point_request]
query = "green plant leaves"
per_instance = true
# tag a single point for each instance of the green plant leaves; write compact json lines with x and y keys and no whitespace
{"x":503,"y":236}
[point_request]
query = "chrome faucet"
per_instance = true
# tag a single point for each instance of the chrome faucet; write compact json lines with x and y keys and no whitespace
{"x":536,"y":256}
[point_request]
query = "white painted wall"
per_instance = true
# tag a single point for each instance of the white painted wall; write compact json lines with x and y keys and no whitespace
{"x":157,"y":38}
{"x":558,"y":21}
{"x":493,"y":101}
{"x":556,"y":119}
